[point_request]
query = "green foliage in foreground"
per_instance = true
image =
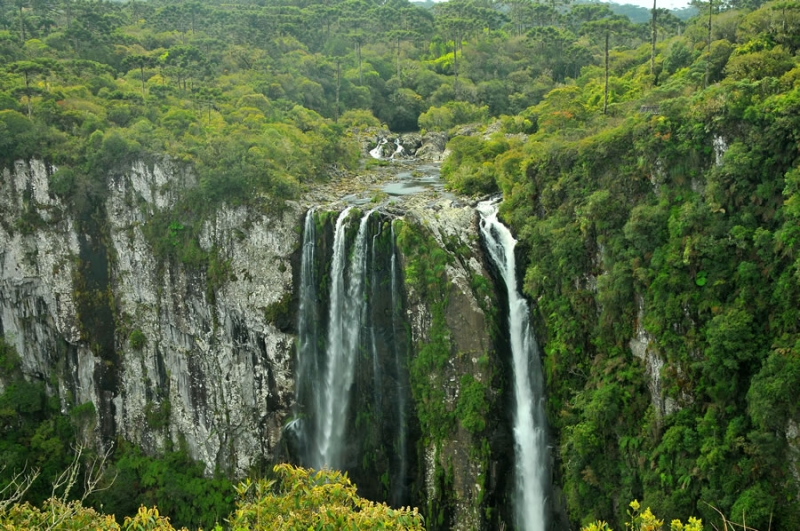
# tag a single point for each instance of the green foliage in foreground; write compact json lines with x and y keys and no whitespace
{"x":33,"y":432}
{"x":174,"y":483}
{"x":669,"y":224}
{"x":296,"y":499}
{"x":325,"y":500}
{"x":647,"y":521}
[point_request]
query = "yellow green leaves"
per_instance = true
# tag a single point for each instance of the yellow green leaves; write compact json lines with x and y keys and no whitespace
{"x":319,"y":500}
{"x":647,"y":521}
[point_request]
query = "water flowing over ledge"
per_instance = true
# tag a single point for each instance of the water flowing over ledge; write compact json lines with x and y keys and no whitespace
{"x":530,"y":441}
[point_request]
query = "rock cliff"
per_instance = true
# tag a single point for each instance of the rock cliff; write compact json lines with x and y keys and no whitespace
{"x":211,"y":374}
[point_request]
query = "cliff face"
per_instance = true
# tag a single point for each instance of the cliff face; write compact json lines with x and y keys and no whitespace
{"x":466,"y":471}
{"x":37,"y":310}
{"x":173,"y":355}
{"x":212,"y":375}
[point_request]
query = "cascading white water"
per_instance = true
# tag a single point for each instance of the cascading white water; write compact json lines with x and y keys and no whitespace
{"x":377,"y":151}
{"x":344,"y":328}
{"x":530,"y":444}
{"x":307,"y":323}
{"x":399,"y":150}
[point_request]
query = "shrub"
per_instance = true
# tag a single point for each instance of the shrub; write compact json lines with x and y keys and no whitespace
{"x":305,"y":499}
{"x":137,"y":339}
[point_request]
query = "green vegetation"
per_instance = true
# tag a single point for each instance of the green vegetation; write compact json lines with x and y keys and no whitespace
{"x":37,"y":436}
{"x":641,"y":165}
{"x":296,"y":499}
{"x":174,"y":483}
{"x":137,"y":339}
{"x":681,"y":197}
{"x":473,"y":405}
{"x":471,"y":167}
{"x":157,"y":415}
{"x":647,"y":521}
{"x":304,"y":499}
{"x":278,"y":313}
{"x":34,"y":432}
{"x":425,"y":273}
{"x":451,"y":114}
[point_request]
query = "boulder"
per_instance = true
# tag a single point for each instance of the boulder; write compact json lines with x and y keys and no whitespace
{"x":411,"y":142}
{"x":433,"y":147}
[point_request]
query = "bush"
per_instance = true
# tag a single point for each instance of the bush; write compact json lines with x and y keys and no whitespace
{"x":305,"y":499}
{"x":472,"y":405}
{"x":137,"y":339}
{"x":359,"y":118}
{"x":62,"y":182}
{"x":18,"y":137}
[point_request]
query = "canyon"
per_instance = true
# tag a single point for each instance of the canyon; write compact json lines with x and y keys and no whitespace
{"x":359,"y":327}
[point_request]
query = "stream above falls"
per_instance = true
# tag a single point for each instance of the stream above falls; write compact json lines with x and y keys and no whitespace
{"x":395,"y":182}
{"x":401,"y":181}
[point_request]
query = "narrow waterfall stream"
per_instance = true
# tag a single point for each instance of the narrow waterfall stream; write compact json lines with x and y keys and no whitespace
{"x":530,"y":445}
{"x":308,"y":332}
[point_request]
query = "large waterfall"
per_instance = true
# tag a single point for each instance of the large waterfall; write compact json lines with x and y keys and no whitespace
{"x":344,"y":331}
{"x":530,"y":445}
{"x":352,"y":376}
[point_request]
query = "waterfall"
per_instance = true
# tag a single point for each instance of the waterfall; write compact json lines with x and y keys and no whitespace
{"x":530,"y":445}
{"x":377,"y":151}
{"x":352,"y":374}
{"x":307,"y":326}
{"x":398,"y":489}
{"x":344,"y":330}
{"x":399,"y":151}
{"x":376,"y":363}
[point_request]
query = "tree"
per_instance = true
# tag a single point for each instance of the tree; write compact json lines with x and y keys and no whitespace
{"x":208,"y":97}
{"x":700,"y":5}
{"x":583,"y":13}
{"x":28,"y":70}
{"x":525,"y":14}
{"x":184,"y":62}
{"x":605,"y":27}
{"x":459,"y":18}
{"x":308,"y":499}
{"x":789,"y":24}
{"x":356,"y":19}
{"x":140,"y":61}
{"x":21,"y":5}
{"x":551,"y":43}
{"x":653,"y":37}
{"x":410,"y":23}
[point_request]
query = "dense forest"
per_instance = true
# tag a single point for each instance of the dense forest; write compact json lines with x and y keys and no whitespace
{"x":650,"y":171}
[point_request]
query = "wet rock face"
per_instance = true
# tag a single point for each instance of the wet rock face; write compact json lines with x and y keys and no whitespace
{"x":38,"y":241}
{"x":210,"y":354}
